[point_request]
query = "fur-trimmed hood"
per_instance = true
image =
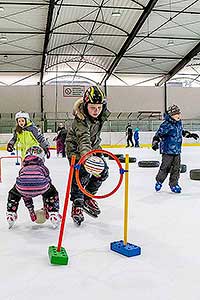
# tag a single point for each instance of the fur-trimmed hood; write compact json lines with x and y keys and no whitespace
{"x":78,"y":109}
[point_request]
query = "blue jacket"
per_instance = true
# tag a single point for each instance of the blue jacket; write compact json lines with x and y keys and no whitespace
{"x":170,"y":133}
{"x":136,"y":135}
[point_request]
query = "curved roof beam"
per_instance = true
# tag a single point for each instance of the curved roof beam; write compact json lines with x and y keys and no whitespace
{"x":180,"y":65}
{"x":146,"y":12}
{"x":90,"y":21}
{"x":71,"y":76}
{"x":77,"y":60}
{"x":81,"y":43}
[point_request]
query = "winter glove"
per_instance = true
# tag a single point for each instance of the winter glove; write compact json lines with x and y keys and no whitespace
{"x":47,"y":152}
{"x":10,"y":147}
{"x":195,"y":136}
{"x":155,"y":143}
{"x":187,"y":134}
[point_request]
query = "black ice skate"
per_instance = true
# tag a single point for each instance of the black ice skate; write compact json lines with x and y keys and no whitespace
{"x":77,"y":215}
{"x":91,"y":207}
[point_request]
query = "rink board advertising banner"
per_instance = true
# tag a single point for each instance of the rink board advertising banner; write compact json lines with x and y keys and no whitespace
{"x":73,"y":91}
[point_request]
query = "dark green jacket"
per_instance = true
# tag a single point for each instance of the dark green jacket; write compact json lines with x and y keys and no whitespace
{"x":84,"y":134}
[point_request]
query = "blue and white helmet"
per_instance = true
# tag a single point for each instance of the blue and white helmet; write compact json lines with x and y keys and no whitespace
{"x":36,"y":151}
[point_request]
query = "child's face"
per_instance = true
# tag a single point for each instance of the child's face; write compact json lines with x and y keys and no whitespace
{"x":94,"y":110}
{"x":176,"y":117}
{"x":21,"y":122}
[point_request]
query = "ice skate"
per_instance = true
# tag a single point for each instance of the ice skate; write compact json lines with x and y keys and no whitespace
{"x":91,"y":207}
{"x":77,"y":214}
{"x":55,"y":219}
{"x":158,"y":186}
{"x":11,"y":218}
{"x":176,"y":189}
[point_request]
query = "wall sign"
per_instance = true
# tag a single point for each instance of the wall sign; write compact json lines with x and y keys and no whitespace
{"x":73,"y":91}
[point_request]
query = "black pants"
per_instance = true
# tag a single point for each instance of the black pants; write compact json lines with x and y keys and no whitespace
{"x":130,"y":139}
{"x":50,"y":200}
{"x":170,"y":164}
{"x":90,"y":183}
{"x":137,"y":143}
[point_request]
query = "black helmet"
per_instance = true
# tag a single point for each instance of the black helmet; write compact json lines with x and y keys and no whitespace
{"x":94,"y":95}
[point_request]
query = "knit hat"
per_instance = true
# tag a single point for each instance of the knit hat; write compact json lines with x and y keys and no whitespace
{"x":173,"y":110}
{"x":36,"y":151}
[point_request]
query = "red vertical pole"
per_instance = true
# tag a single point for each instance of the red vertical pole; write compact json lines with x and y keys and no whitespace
{"x":71,"y":171}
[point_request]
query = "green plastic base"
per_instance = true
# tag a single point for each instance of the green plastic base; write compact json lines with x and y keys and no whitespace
{"x":58,"y":258}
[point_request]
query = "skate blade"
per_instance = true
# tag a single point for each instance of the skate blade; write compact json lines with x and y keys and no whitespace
{"x":90,"y":213}
{"x":78,"y":223}
{"x":10,"y":225}
{"x":55,"y":225}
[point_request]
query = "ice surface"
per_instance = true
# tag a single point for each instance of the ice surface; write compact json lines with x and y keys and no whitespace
{"x":165,"y":225}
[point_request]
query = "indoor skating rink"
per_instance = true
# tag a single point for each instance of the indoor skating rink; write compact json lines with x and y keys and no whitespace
{"x":165,"y":225}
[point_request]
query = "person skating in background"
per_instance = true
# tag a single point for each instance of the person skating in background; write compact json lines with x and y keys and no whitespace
{"x":136,"y":137}
{"x":169,"y":135}
{"x":33,"y":180}
{"x":129,"y":134}
{"x":60,"y":140}
{"x":90,"y":113}
{"x":26,"y":135}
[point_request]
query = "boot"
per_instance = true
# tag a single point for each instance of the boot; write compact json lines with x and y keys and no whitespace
{"x":91,"y":207}
{"x":158,"y":186}
{"x":11,"y":218}
{"x":77,"y":214}
{"x":55,"y":219}
{"x":176,"y":189}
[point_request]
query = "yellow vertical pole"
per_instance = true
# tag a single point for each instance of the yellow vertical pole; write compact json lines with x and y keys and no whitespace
{"x":126,"y":200}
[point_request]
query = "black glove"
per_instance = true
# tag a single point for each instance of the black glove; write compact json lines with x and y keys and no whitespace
{"x":187,"y":134}
{"x":47,"y":152}
{"x":10,"y":147}
{"x":194,"y":136}
{"x":155,"y":143}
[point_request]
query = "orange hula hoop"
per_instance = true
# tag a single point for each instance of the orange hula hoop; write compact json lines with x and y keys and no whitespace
{"x":83,"y":158}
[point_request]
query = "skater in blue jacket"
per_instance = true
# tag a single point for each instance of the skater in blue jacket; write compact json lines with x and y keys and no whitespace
{"x":169,"y":135}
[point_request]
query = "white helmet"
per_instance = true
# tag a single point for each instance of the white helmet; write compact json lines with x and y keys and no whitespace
{"x":22,"y":114}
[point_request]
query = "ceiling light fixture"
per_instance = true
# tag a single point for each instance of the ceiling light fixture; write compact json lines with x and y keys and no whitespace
{"x":3,"y":39}
{"x":116,"y":13}
{"x":90,"y":40}
{"x":170,"y":43}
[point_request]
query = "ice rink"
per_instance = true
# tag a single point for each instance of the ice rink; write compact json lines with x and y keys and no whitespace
{"x":165,"y":225}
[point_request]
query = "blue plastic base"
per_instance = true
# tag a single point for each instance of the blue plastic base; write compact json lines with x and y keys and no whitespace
{"x":127,"y":250}
{"x":12,"y":153}
{"x":17,"y":163}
